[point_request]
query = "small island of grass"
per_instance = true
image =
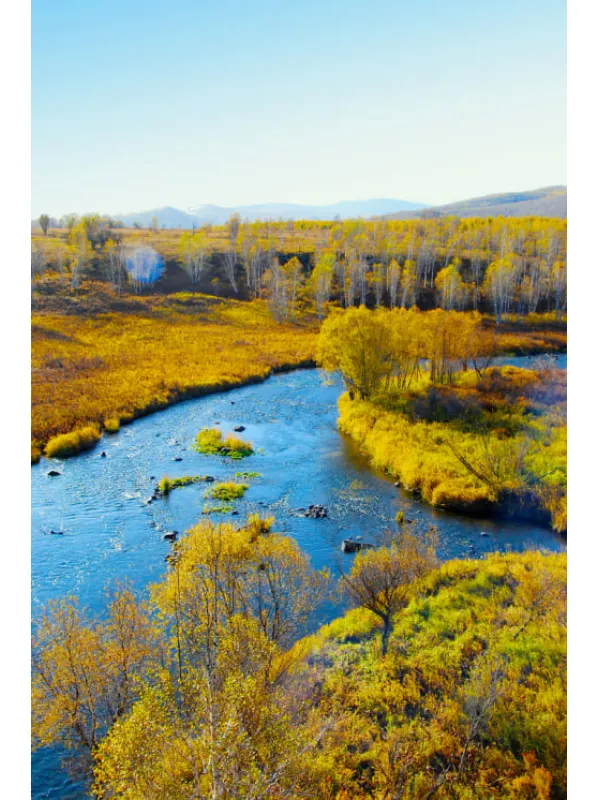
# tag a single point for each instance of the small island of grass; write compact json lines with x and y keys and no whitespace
{"x":210,"y":441}
{"x":227,"y":491}
{"x":166,"y":484}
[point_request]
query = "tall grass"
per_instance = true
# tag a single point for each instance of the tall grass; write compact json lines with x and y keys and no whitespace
{"x":97,"y":367}
{"x":68,"y":444}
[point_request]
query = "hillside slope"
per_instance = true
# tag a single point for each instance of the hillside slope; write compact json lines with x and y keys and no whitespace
{"x":550,"y":201}
{"x":470,"y":701}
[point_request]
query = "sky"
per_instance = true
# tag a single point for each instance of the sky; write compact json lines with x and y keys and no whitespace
{"x":137,"y":105}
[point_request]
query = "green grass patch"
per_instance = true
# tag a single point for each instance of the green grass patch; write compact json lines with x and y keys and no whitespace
{"x":210,"y":441}
{"x":227,"y":491}
{"x":222,"y":508}
{"x":248,"y":475}
{"x":166,"y":485}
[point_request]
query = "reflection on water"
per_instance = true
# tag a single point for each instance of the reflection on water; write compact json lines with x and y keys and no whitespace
{"x":92,"y":525}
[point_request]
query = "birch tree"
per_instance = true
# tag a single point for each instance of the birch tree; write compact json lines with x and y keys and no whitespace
{"x":194,"y":248}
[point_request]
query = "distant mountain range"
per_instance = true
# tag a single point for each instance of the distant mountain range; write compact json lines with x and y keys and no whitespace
{"x":170,"y":217}
{"x":550,"y":201}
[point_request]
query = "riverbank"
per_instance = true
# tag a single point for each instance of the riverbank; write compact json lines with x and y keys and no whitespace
{"x":488,"y":635}
{"x":490,"y":445}
{"x":101,"y":360}
{"x":93,"y":528}
{"x":108,"y":369}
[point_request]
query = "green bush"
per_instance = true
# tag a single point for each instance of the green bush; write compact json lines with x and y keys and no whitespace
{"x":227,"y":491}
{"x":210,"y":442}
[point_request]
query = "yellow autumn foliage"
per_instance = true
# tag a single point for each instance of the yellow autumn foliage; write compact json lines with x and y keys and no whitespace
{"x":97,"y":368}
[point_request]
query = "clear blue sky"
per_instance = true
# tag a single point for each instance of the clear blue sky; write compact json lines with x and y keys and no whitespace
{"x":142,"y":104}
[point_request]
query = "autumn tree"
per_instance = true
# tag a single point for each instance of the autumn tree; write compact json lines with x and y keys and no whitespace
{"x":393,"y":281}
{"x":115,"y":257}
{"x":86,"y":672}
{"x":378,"y":282}
{"x":38,"y":259}
{"x":321,"y":281}
{"x":233,"y":227}
{"x":408,"y":284}
{"x":229,"y":262}
{"x":194,"y":249}
{"x":44,"y":221}
{"x":450,"y":288}
{"x":276,"y":286}
{"x":383,"y":580}
{"x":358,"y":343}
{"x":499,"y":285}
{"x":221,"y":722}
{"x":80,"y":251}
{"x":292,"y":270}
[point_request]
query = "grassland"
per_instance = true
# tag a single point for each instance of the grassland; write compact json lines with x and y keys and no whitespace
{"x":100,"y":360}
{"x":470,"y":702}
{"x":97,"y":357}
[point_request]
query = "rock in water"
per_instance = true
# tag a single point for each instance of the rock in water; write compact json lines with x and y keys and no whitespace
{"x":170,"y":536}
{"x":53,"y":473}
{"x":353,"y":546}
{"x":239,"y":428}
{"x":316,"y":512}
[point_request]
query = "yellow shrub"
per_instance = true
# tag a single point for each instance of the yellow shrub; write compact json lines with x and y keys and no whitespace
{"x":112,"y":424}
{"x":68,"y":444}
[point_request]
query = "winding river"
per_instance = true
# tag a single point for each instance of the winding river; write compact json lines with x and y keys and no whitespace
{"x":92,"y":524}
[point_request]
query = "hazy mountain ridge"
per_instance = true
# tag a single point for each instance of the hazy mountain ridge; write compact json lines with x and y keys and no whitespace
{"x":549,"y":201}
{"x":177,"y":218}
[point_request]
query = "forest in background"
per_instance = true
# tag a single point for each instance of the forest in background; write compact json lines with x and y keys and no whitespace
{"x":500,"y":265}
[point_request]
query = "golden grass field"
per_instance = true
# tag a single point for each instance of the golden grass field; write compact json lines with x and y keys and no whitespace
{"x":101,"y":360}
{"x":97,"y":368}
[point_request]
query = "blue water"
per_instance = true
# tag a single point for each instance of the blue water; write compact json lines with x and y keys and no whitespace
{"x":108,"y":532}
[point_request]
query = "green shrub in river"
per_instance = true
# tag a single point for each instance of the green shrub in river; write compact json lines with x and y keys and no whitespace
{"x":222,"y":508}
{"x":227,"y":491}
{"x":165,"y":485}
{"x":210,"y":441}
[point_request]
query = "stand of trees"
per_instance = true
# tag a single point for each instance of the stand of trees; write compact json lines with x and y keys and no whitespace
{"x":443,"y":682}
{"x":506,"y":265}
{"x":377,"y":351}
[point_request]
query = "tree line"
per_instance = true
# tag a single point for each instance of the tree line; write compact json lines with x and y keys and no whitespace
{"x":504,"y":265}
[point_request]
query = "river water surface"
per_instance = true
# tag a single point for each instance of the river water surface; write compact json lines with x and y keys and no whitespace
{"x":92,"y":525}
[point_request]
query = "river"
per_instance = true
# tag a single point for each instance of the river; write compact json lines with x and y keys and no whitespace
{"x":92,"y":525}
